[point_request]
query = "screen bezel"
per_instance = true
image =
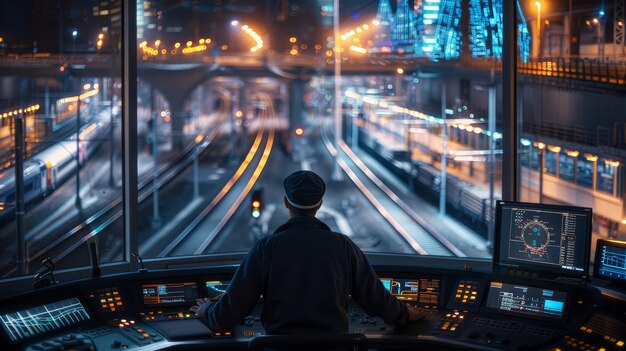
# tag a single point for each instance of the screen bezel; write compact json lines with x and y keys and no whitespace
{"x":168,"y":304}
{"x":498,"y":263}
{"x":598,"y":253}
{"x":560,"y":320}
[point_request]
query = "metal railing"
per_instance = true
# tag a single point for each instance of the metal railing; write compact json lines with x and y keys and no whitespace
{"x":611,"y":72}
{"x":599,"y":136}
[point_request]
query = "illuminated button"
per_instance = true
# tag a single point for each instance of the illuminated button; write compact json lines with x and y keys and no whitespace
{"x":583,"y":328}
{"x":145,"y":335}
{"x":602,"y":349}
{"x":121,"y":325}
{"x":116,"y":293}
{"x":180,"y":315}
{"x":613,"y":340}
{"x":112,"y":309}
{"x":139,"y":331}
{"x":620,"y":343}
{"x":108,"y":294}
{"x":227,"y":333}
{"x":249,"y":333}
{"x":132,"y":322}
{"x":606,"y":337}
{"x":119,"y":304}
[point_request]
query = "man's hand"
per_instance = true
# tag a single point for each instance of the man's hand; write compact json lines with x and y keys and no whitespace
{"x":199,"y":302}
{"x":414,"y":313}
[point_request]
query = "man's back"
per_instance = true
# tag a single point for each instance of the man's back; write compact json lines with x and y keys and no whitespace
{"x":307,"y":269}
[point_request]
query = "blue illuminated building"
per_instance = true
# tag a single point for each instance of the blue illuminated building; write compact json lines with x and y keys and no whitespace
{"x":434,"y":30}
{"x":404,"y":32}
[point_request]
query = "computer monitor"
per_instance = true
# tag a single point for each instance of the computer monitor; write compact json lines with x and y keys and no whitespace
{"x":542,"y":240}
{"x":610,"y":261}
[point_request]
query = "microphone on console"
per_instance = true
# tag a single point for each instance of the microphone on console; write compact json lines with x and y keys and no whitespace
{"x":142,"y":269}
{"x":93,"y":257}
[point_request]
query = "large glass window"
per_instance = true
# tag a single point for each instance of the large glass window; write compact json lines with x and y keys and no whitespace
{"x":60,"y":104}
{"x":230,"y":105}
{"x":231,"y":99}
{"x":581,"y":128}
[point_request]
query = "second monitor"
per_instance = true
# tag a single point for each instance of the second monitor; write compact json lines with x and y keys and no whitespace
{"x":549,"y":240}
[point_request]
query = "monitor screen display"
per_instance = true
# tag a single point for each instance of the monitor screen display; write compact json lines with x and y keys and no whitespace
{"x":543,"y":237}
{"x":403,"y":289}
{"x":216,"y":288}
{"x":42,"y":319}
{"x":169,"y":293}
{"x":522,"y":299}
{"x":423,"y":292}
{"x":610,"y":260}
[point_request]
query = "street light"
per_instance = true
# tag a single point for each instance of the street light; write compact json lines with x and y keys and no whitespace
{"x":74,"y":35}
{"x":100,"y":41}
{"x":538,"y":4}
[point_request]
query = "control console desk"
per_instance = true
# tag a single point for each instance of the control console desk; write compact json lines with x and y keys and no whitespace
{"x":465,"y":310}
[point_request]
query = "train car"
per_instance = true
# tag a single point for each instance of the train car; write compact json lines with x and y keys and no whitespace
{"x":91,"y":137}
{"x":59,"y":161}
{"x":48,"y":169}
{"x":34,"y":186}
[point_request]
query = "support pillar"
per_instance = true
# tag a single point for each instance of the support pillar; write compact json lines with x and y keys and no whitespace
{"x":296,"y":96}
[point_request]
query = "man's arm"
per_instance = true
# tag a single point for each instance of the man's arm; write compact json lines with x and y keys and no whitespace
{"x":240,"y":297}
{"x":370,"y":294}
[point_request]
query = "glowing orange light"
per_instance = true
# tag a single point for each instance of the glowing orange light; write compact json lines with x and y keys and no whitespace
{"x":299,"y":131}
{"x":168,"y":119}
{"x":256,"y":204}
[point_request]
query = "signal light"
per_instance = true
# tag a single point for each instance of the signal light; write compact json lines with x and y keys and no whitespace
{"x":256,"y":203}
{"x":299,"y":131}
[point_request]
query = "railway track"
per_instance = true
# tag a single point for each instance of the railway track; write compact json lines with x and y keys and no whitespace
{"x":69,"y":241}
{"x":406,"y":222}
{"x":204,"y":229}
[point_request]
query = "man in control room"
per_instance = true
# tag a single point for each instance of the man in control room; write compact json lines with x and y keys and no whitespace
{"x":305,"y":273}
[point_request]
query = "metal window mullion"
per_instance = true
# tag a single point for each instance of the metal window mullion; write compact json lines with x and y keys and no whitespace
{"x":129,"y":128}
{"x":510,"y":137}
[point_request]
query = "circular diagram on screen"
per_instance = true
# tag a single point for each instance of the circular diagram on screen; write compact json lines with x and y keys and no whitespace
{"x":536,"y":238}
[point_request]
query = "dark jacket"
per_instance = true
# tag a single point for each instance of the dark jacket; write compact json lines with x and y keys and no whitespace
{"x":305,"y":273}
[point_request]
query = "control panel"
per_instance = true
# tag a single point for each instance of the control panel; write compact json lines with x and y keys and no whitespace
{"x":470,"y":310}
